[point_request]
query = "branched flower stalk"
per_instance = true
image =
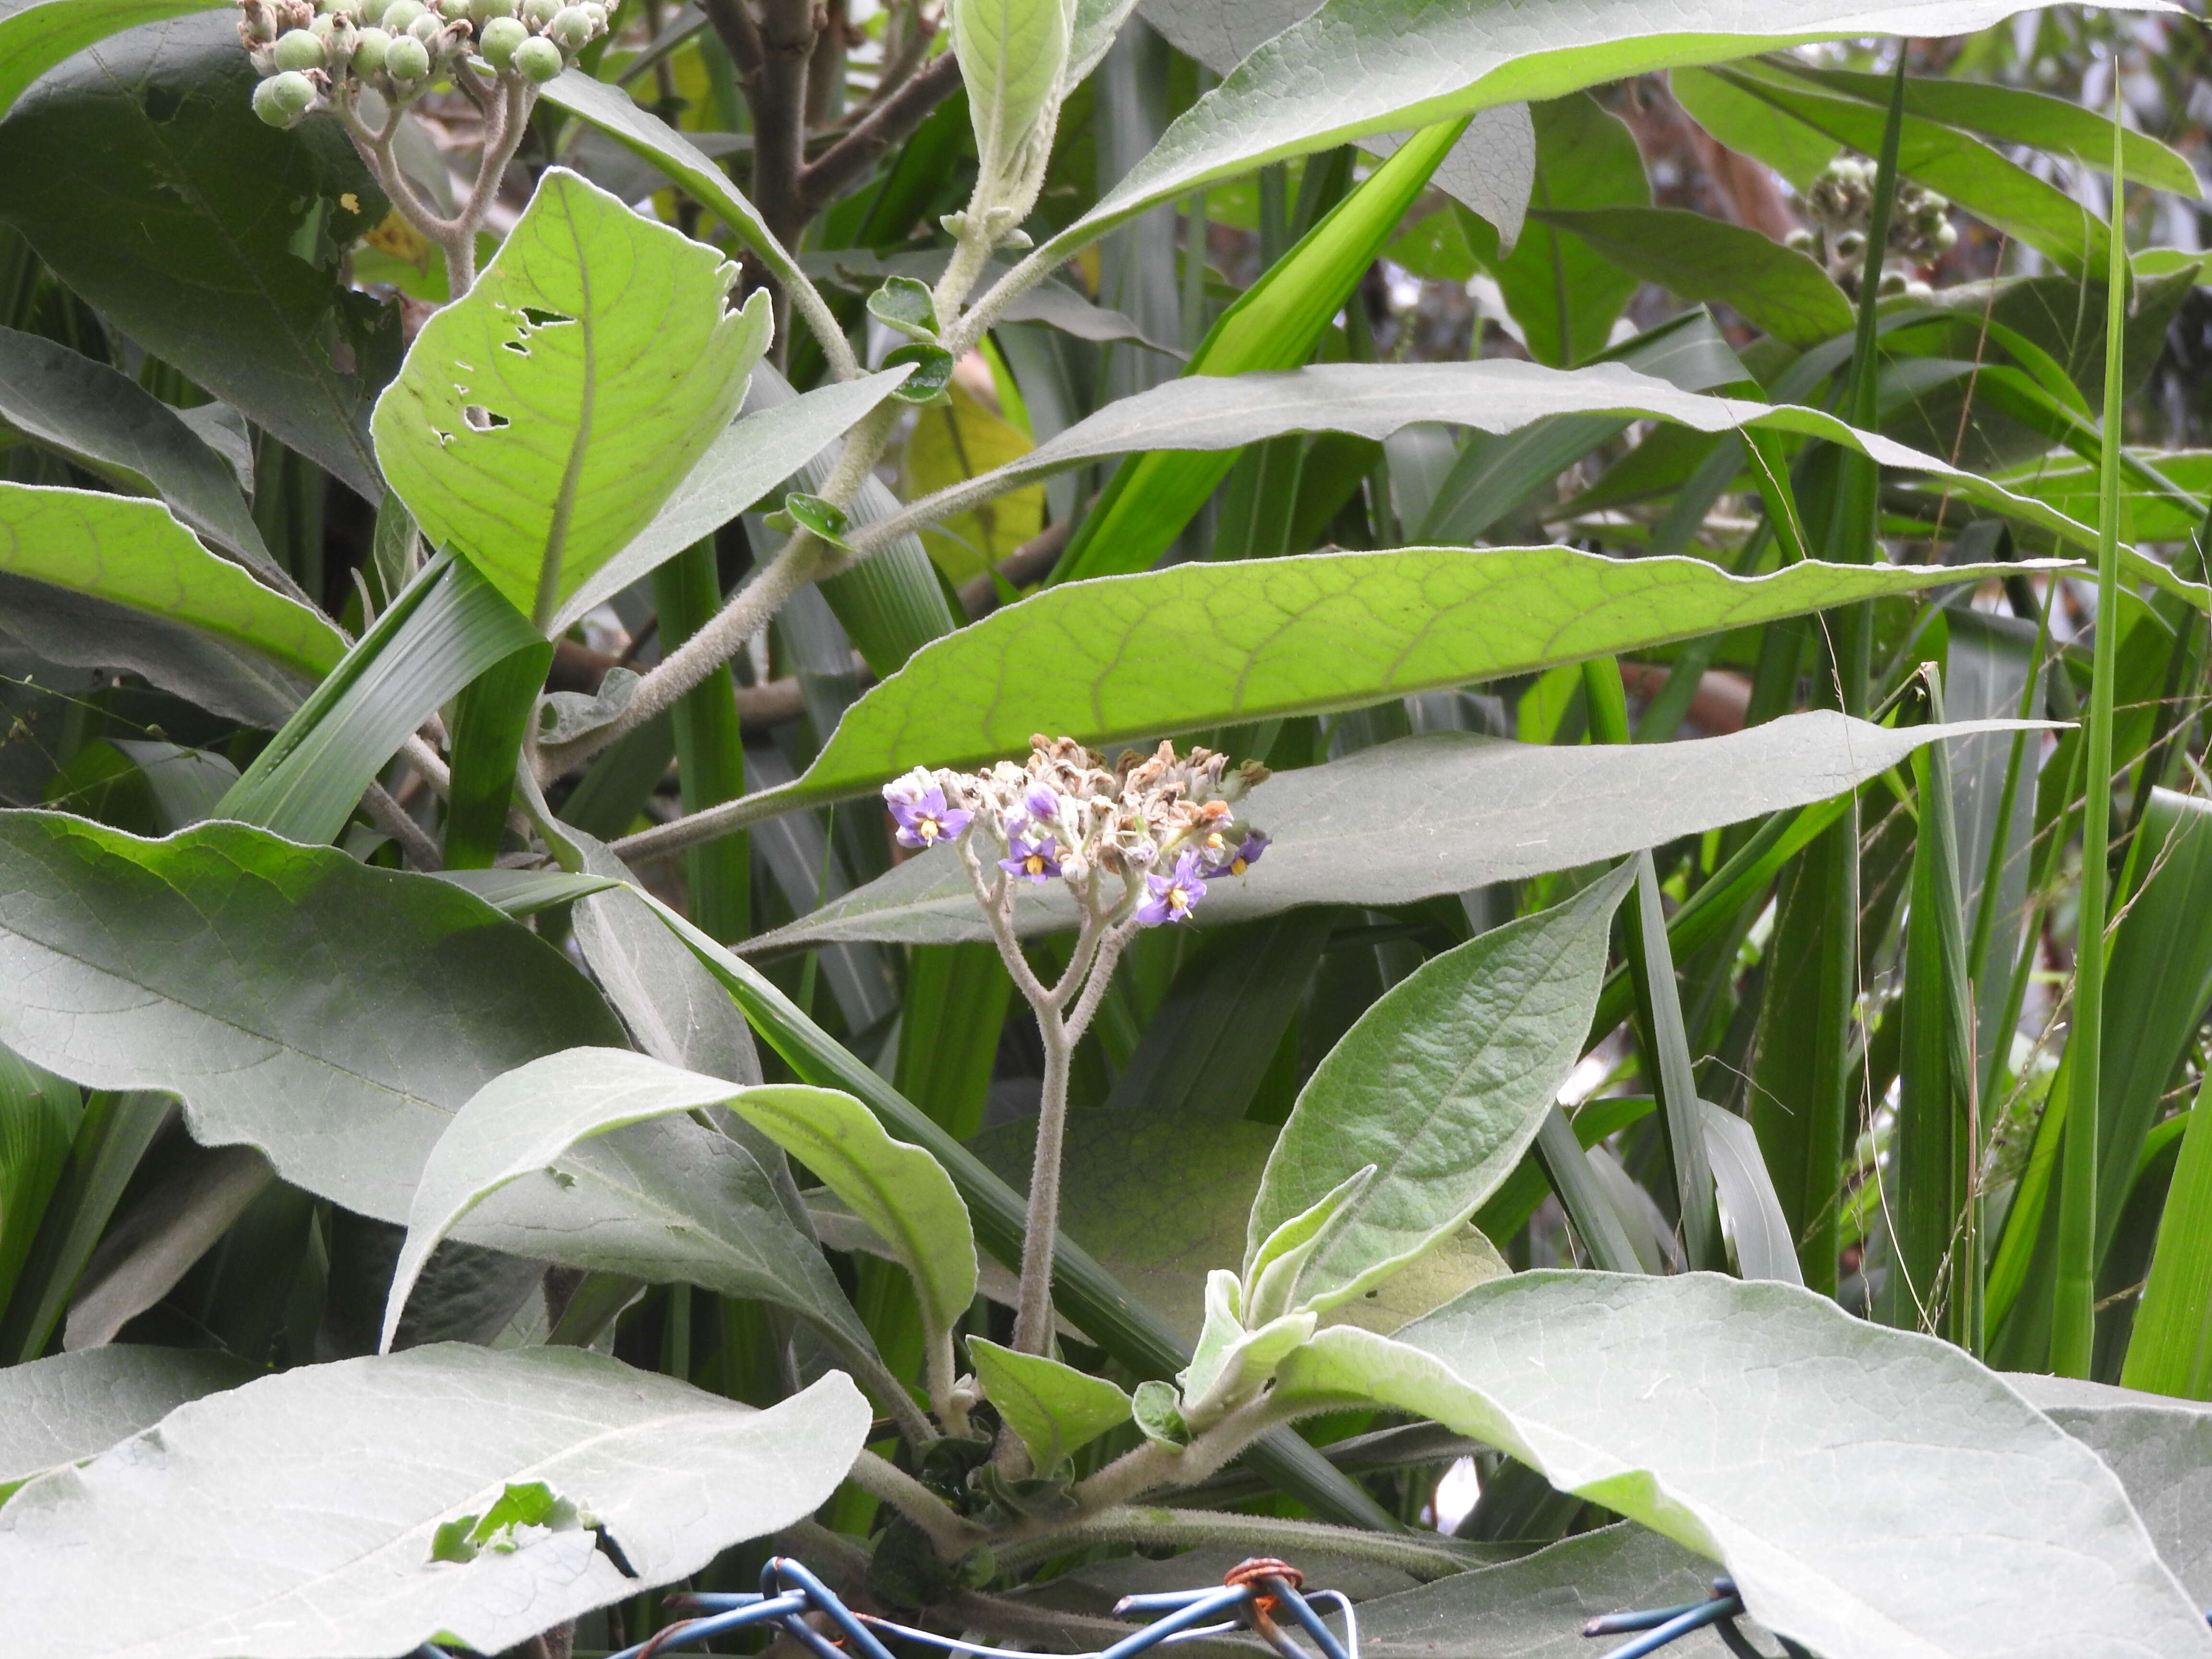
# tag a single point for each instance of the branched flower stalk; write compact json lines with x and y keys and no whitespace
{"x":366,"y":61}
{"x":1134,"y":845}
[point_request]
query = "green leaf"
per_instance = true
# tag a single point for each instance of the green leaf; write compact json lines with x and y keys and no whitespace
{"x":2160,"y":1448}
{"x":1056,"y":1409}
{"x":203,"y":965}
{"x":1423,"y":63}
{"x":824,"y":519}
{"x":1757,"y":1227}
{"x":1437,"y":813}
{"x":1157,"y":1410}
{"x":1722,"y":1415}
{"x":904,"y":304}
{"x":1441,"y":1086}
{"x":141,"y":175}
{"x":2170,"y":1349}
{"x":439,"y":633}
{"x":1274,"y":325}
{"x":741,"y":466}
{"x":1775,"y":287}
{"x":539,"y":423}
{"x":1012,"y":54}
{"x":1535,"y":1607}
{"x":104,"y":422}
{"x":651,"y":139}
{"x":2016,"y":115}
{"x":1497,"y":395}
{"x":521,"y":893}
{"x":238,"y":1525}
{"x":1751,"y":126}
{"x":632,"y":1206}
{"x":930,"y":372}
{"x":133,"y":553}
{"x":898,"y":1189}
{"x":1565,"y":294}
{"x":73,"y":1406}
{"x":1972,"y":173}
{"x":35,"y":38}
{"x":1489,"y":170}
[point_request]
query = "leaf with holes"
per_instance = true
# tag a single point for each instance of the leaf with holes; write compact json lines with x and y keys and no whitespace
{"x":538,"y":424}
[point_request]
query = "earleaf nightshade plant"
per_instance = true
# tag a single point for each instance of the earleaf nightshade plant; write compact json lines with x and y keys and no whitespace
{"x":1557,"y":924}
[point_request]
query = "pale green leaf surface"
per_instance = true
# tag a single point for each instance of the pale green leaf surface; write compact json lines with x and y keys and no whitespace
{"x":539,"y":1116}
{"x":1438,"y":813}
{"x":134,"y":553}
{"x":292,"y":1518}
{"x":1751,"y":126}
{"x":525,"y":892}
{"x":2161,"y":1449}
{"x":1056,"y":1409}
{"x":203,"y":964}
{"x":1424,"y":63}
{"x":1875,"y":1494}
{"x":1373,"y":400}
{"x":755,"y":454}
{"x":539,"y":423}
{"x":35,"y":38}
{"x":1749,"y":1204}
{"x":108,"y":424}
{"x":57,"y":1410}
{"x":1440,"y":1084}
{"x":898,"y":1189}
{"x":1535,"y":1607}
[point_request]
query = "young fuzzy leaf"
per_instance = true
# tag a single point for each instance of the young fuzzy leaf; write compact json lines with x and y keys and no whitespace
{"x":1441,"y":1086}
{"x":539,"y":424}
{"x":906,"y":305}
{"x":1056,"y":1409}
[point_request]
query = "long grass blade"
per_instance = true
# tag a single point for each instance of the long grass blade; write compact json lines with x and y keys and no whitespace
{"x":2073,"y":1318}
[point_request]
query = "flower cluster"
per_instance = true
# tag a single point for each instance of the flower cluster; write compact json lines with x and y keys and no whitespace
{"x":310,"y":53}
{"x":1162,"y":824}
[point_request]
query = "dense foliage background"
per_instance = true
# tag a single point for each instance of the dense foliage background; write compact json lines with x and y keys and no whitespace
{"x":1695,"y":655}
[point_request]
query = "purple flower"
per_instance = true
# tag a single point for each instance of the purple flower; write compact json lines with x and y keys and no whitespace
{"x":918,"y":804}
{"x":1038,"y":860}
{"x":1039,"y":809}
{"x":1228,"y":862}
{"x":1173,"y":895}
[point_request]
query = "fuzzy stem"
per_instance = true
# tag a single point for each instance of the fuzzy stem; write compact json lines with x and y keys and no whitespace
{"x":1422,"y":1556}
{"x":884,"y":1481}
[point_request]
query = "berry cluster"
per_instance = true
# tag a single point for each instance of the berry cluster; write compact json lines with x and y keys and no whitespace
{"x":1161,"y":824}
{"x":310,"y":53}
{"x":1840,"y":204}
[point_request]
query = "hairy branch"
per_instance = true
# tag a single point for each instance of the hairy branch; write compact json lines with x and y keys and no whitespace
{"x":952,"y":1534}
{"x":890,"y":122}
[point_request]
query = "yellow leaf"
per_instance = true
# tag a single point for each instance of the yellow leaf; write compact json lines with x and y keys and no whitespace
{"x":955,"y":441}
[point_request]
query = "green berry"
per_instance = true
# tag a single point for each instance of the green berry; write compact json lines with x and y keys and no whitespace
{"x":482,"y":12}
{"x":538,"y":13}
{"x":297,"y":49}
{"x":268,"y":106}
{"x":370,"y":48}
{"x":539,"y":58}
{"x":571,"y":28}
{"x":407,"y":59}
{"x":453,"y":11}
{"x":427,"y":27}
{"x":370,"y":13}
{"x":597,"y":13}
{"x":397,"y":14}
{"x":499,"y":39}
{"x":290,"y":92}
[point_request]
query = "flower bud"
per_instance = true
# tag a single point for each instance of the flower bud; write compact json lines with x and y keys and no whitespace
{"x":571,"y":28}
{"x":256,"y":23}
{"x":299,"y":49}
{"x":370,"y":49}
{"x":281,"y":99}
{"x":407,"y":59}
{"x":499,"y":39}
{"x":539,"y":58}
